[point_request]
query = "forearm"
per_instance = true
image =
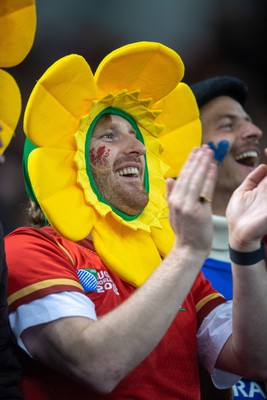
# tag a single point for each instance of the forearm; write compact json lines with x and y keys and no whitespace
{"x":145,"y":317}
{"x":249,"y":316}
{"x":247,"y":222}
{"x":127,"y":334}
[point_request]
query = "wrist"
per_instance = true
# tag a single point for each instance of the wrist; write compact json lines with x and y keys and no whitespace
{"x":247,"y":257}
{"x":243,"y":244}
{"x":189,"y":253}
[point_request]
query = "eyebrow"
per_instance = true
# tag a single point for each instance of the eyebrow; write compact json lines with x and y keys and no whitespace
{"x":115,"y":126}
{"x":236,"y":117}
{"x":232,"y":117}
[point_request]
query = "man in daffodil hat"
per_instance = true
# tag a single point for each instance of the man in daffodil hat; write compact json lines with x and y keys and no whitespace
{"x":133,"y":83}
{"x":17,"y":30}
{"x":107,"y":301}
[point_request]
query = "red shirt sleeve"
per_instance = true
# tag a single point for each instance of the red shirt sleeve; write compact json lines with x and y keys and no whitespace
{"x":37,"y":266}
{"x":205,"y":297}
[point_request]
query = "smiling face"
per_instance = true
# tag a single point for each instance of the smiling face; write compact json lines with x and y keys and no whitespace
{"x":223,"y":118}
{"x":117,"y":164}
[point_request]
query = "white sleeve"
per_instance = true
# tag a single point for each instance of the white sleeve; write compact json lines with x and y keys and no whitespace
{"x":50,"y":308}
{"x":211,"y":336}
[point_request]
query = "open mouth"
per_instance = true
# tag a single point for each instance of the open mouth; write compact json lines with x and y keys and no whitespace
{"x":132,"y":172}
{"x":248,"y":158}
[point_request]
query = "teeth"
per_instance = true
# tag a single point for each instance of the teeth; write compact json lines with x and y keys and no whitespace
{"x":128,"y":171}
{"x":247,"y":154}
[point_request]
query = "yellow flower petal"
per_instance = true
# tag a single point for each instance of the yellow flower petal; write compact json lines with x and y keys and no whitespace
{"x":152,"y":68}
{"x":53,"y":171}
{"x":183,"y":140}
{"x":10,"y":108}
{"x":59,"y":99}
{"x":182,"y":127}
{"x":164,"y":237}
{"x":17,"y":30}
{"x":53,"y":180}
{"x":75,"y":220}
{"x":132,"y":256}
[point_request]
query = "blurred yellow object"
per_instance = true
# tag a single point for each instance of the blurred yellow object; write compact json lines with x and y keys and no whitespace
{"x":10,"y":107}
{"x":17,"y":31}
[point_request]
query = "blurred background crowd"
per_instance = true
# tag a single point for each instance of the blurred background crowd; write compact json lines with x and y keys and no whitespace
{"x":222,"y":37}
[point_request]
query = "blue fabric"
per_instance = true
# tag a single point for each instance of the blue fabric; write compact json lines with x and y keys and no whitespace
{"x":220,"y":275}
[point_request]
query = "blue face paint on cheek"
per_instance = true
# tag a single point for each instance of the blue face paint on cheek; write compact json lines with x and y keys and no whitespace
{"x":220,"y":151}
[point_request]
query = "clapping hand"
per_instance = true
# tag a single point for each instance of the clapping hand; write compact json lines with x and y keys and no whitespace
{"x":189,"y":198}
{"x":247,"y":211}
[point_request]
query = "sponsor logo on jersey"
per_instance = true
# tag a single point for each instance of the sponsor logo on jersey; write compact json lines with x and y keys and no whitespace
{"x":93,"y":281}
{"x":88,"y":279}
{"x":105,"y":283}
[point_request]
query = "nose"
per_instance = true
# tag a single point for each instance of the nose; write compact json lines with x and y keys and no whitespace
{"x":133,"y":145}
{"x":252,"y":131}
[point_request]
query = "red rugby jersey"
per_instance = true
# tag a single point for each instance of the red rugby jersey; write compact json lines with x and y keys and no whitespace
{"x":41,"y":262}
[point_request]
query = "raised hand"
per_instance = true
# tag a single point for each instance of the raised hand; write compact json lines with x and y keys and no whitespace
{"x":247,"y":211}
{"x":189,"y":198}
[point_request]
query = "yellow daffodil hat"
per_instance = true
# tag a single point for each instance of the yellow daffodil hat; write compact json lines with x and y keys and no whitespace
{"x":17,"y":31}
{"x":141,"y":82}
